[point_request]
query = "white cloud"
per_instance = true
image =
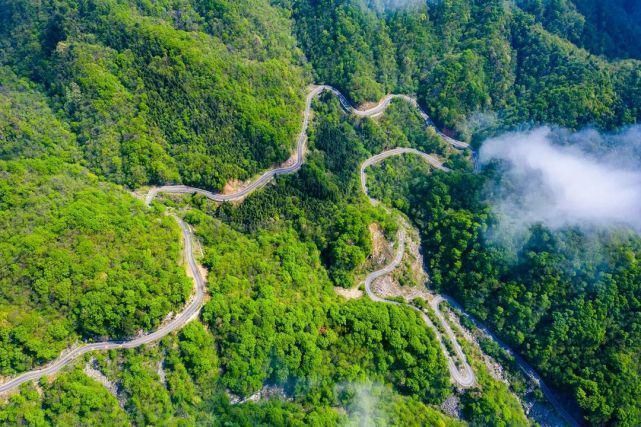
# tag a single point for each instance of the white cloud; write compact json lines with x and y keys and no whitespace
{"x":367,"y":404}
{"x":566,"y":185}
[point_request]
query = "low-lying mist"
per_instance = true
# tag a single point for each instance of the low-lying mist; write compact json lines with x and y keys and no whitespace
{"x":393,"y":5}
{"x":558,"y":179}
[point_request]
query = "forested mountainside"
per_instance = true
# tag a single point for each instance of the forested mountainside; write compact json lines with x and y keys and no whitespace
{"x":101,"y":98}
{"x":611,"y":28}
{"x":274,"y":321}
{"x":79,"y":257}
{"x":154,"y":94}
{"x":465,"y":57}
{"x":207,"y":91}
{"x":568,"y":300}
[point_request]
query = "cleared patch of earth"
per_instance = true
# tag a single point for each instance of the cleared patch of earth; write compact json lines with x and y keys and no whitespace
{"x":407,"y":281}
{"x":232,"y":186}
{"x":267,"y":392}
{"x":382,"y":250}
{"x":352,"y":293}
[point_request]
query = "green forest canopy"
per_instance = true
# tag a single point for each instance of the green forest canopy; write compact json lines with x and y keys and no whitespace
{"x":204,"y":91}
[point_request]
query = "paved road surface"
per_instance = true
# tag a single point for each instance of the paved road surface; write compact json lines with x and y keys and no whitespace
{"x":189,"y":312}
{"x":297,"y":160}
{"x":525,"y":367}
{"x":464,"y":378}
{"x":194,"y":305}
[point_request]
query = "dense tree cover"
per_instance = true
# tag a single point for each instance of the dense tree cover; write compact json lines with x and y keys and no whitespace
{"x":79,"y":258}
{"x":72,"y":399}
{"x":273,"y":318}
{"x":207,"y":91}
{"x":28,"y":127}
{"x":465,"y":57}
{"x":200,"y":91}
{"x":568,"y":300}
{"x":272,"y":311}
{"x":154,"y":386}
{"x":278,"y":324}
{"x":324,"y":202}
{"x":204,"y":91}
{"x":605,"y":27}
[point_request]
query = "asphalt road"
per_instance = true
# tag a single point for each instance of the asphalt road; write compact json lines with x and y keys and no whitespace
{"x":189,"y":312}
{"x":464,"y":377}
{"x":193,"y":307}
{"x":295,"y":163}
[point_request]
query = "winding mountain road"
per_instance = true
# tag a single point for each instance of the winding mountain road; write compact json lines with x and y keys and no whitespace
{"x":189,"y":313}
{"x":432,"y":160}
{"x":464,"y":377}
{"x":193,"y":307}
{"x":296,"y":161}
{"x":525,"y":367}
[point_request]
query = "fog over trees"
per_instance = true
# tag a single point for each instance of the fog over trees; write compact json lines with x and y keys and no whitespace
{"x":100,"y":99}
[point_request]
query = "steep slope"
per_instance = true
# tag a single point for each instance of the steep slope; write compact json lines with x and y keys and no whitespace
{"x":203,"y":92}
{"x":604,"y":27}
{"x":464,"y":58}
{"x":160,"y":93}
{"x":79,"y":258}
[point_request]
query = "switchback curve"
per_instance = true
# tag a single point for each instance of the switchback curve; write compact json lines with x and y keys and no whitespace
{"x":297,"y":160}
{"x":192,"y":308}
{"x":464,"y":377}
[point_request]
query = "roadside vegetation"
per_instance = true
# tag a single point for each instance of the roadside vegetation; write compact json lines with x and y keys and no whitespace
{"x":80,"y":259}
{"x":463,"y":58}
{"x":274,"y":320}
{"x":99,"y":96}
{"x":570,"y":311}
{"x":203,"y":95}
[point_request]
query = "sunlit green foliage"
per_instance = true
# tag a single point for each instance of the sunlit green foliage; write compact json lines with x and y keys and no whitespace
{"x":72,"y":399}
{"x":159,"y":92}
{"x":464,"y":57}
{"x":610,"y":28}
{"x":567,"y":300}
{"x":28,"y":127}
{"x":79,"y":258}
{"x":204,"y":91}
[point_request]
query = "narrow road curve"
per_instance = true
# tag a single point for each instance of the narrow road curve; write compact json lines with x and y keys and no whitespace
{"x":463,"y":377}
{"x":466,"y":377}
{"x":525,"y":367}
{"x":432,"y":160}
{"x":295,"y":163}
{"x":193,"y":307}
{"x":189,"y":313}
{"x":191,"y":310}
